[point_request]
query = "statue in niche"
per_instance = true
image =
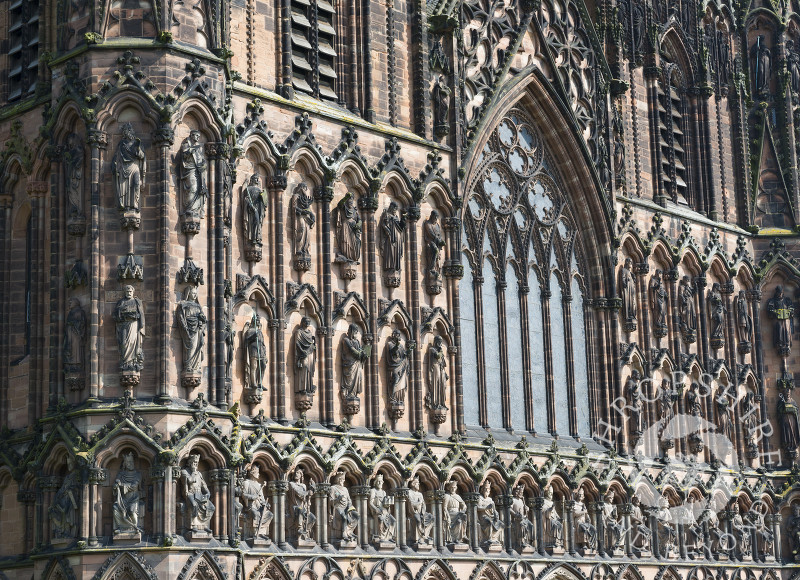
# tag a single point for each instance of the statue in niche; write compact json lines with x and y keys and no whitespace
{"x":421,"y":519}
{"x":695,"y":537}
{"x":192,"y":169}
{"x":619,"y":148}
{"x":392,"y":226}
{"x":300,"y":511}
{"x":398,"y":367}
{"x":793,"y":66}
{"x":627,"y":291}
{"x":129,"y":167}
{"x":441,"y":107}
{"x":781,"y":309}
{"x":749,"y":419}
{"x":687,"y":312}
{"x":454,"y":511}
{"x":73,"y":175}
{"x":75,"y":337}
{"x":642,"y":532}
{"x":379,"y":504}
{"x":666,"y":406}
{"x":353,"y":358}
{"x":553,"y":523}
{"x":634,"y":392}
{"x":586,"y":532}
{"x":695,"y":409}
{"x":255,"y":358}
{"x":256,"y":507}
{"x":254,"y":208}
{"x":716,"y":315}
{"x":491,"y":525}
{"x":765,"y":537}
{"x":744,"y":322}
{"x":192,"y":325}
{"x":666,"y":528}
{"x":613,"y":525}
{"x":198,"y":498}
{"x":790,"y":415}
{"x":658,"y":304}
{"x":127,"y":494}
{"x":523,"y":531}
{"x":344,"y":516}
{"x":229,"y":338}
{"x":742,"y":532}
{"x":347,"y":228}
{"x":761,"y":63}
{"x":302,"y":222}
{"x":63,"y":512}
{"x":793,"y":527}
{"x":129,"y":316}
{"x":436,"y":397}
{"x":305,"y":362}
{"x":722,"y":402}
{"x":434,"y":245}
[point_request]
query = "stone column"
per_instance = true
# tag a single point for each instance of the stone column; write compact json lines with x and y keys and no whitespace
{"x":471,"y":499}
{"x":321,"y":511}
{"x":369,"y":205}
{"x":681,"y":540}
{"x":569,"y":527}
{"x":164,"y":138}
{"x":596,"y":511}
{"x":279,"y":513}
{"x":415,"y":391}
{"x":776,"y":530}
{"x":537,"y":503}
{"x":98,"y":141}
{"x":503,"y":503}
{"x":157,"y":475}
{"x":96,"y":477}
{"x":359,"y":494}
{"x":277,"y":185}
{"x":324,"y":196}
{"x":435,"y":499}
{"x":626,"y":509}
{"x":725,"y":528}
{"x":400,"y":499}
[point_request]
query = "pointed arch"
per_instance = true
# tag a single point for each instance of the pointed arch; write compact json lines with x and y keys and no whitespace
{"x":436,"y":570}
{"x":561,"y":572}
{"x":128,"y":565}
{"x":487,"y":570}
{"x":271,"y":568}
{"x":58,"y":568}
{"x":203,"y":565}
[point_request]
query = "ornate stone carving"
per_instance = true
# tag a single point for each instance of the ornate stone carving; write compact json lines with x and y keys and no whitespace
{"x":63,"y":512}
{"x":129,"y":317}
{"x":254,"y":208}
{"x":397,"y":366}
{"x":585,"y":531}
{"x":353,"y":357}
{"x":744,"y":322}
{"x":761,"y":65}
{"x":198,"y":509}
{"x":687,"y":312}
{"x":192,"y":327}
{"x":641,"y":534}
{"x":420,"y":519}
{"x":634,"y":393}
{"x":522,"y":529}
{"x":73,"y":183}
{"x":305,"y":362}
{"x":434,"y":245}
{"x":301,"y":515}
{"x":303,"y":221}
{"x":667,"y":533}
{"x":659,"y":303}
{"x":436,"y":397}
{"x":724,"y":412}
{"x":129,"y":168}
{"x":613,"y":526}
{"x":716,"y":317}
{"x":255,"y":359}
{"x":742,"y":531}
{"x":256,"y":508}
{"x":790,"y":426}
{"x":384,"y":524}
{"x":347,"y":228}
{"x":74,"y":352}
{"x":553,"y":524}
{"x":490,"y":523}
{"x":192,"y":170}
{"x":441,"y":107}
{"x":454,"y":513}
{"x":695,"y":409}
{"x":392,"y":228}
{"x":749,"y":420}
{"x":627,"y":291}
{"x":781,"y":309}
{"x":343,"y":514}
{"x":128,"y":503}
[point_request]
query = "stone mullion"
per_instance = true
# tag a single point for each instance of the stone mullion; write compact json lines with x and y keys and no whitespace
{"x":5,"y":286}
{"x":165,"y":139}
{"x":216,"y":388}
{"x":477,"y":294}
{"x":696,"y":164}
{"x":277,"y":185}
{"x":34,"y":382}
{"x":372,"y":403}
{"x":604,"y":410}
{"x":453,"y":271}
{"x":566,"y":312}
{"x":58,"y":260}
{"x":416,"y":396}
{"x":502,"y":329}
{"x":645,"y":329}
{"x":712,"y":193}
{"x":614,"y":371}
{"x":97,"y":141}
{"x":590,"y":323}
{"x":548,"y":360}
{"x":367,"y":50}
{"x":527,"y":376}
{"x":324,"y":196}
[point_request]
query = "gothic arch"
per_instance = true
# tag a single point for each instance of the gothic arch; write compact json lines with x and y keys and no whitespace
{"x":561,"y":572}
{"x":125,"y":566}
{"x":487,"y":570}
{"x":203,"y":565}
{"x":58,"y":569}
{"x":270,"y":568}
{"x":436,"y":570}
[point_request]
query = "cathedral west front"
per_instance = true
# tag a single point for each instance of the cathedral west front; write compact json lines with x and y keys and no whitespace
{"x":400,"y":290}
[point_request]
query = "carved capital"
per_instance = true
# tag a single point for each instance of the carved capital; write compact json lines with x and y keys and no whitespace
{"x":97,"y":138}
{"x":278,"y":182}
{"x":38,"y":188}
{"x":324,"y":193}
{"x":413,"y":213}
{"x":451,"y":223}
{"x":164,"y":136}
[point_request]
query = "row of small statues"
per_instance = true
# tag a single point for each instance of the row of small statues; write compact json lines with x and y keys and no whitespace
{"x":539,"y":524}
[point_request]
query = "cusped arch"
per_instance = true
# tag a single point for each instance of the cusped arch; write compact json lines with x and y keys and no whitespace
{"x":202,"y":110}
{"x":487,"y":570}
{"x":271,"y":568}
{"x":127,"y":565}
{"x":320,"y":568}
{"x":561,"y":571}
{"x":436,"y":570}
{"x":58,"y":568}
{"x":203,"y":565}
{"x":127,"y":98}
{"x":390,"y":569}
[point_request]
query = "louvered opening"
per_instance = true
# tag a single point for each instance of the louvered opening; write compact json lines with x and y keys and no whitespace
{"x":671,"y":142}
{"x":313,"y":49}
{"x":23,"y":52}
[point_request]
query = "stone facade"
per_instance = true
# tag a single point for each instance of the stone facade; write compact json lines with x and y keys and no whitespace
{"x":425,"y":290}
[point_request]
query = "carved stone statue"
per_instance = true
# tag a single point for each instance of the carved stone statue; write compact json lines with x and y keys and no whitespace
{"x":761,"y":63}
{"x":454,"y":512}
{"x":666,"y":404}
{"x":229,"y":336}
{"x":347,"y":228}
{"x":586,"y":533}
{"x":192,"y":168}
{"x":790,"y":428}
{"x":613,"y":525}
{"x":353,"y":357}
{"x":129,"y":316}
{"x":749,"y":419}
{"x":744,"y":323}
{"x":781,"y":309}
{"x":724,"y":409}
{"x":302,"y":222}
{"x":441,"y":107}
{"x":379,"y":504}
{"x":192,"y":325}
{"x":627,"y":291}
{"x":635,"y":406}
{"x":793,"y":65}
{"x":434,"y":245}
{"x":687,"y":312}
{"x":392,"y":226}
{"x":641,"y":534}
{"x":63,"y":512}
{"x":489,"y":521}
{"x":658,"y":304}
{"x":256,"y":507}
{"x":129,"y":167}
{"x":523,"y":530}
{"x":73,"y":175}
{"x":742,"y":532}
{"x":199,"y":507}
{"x":254,"y":208}
{"x":344,"y":516}
{"x":421,"y":519}
{"x":716,"y":315}
{"x":436,"y":397}
{"x":75,"y":337}
{"x":793,"y":527}
{"x":397,"y":366}
{"x":127,"y":495}
{"x":666,"y":528}
{"x":305,"y":362}
{"x":553,"y":524}
{"x":255,"y":358}
{"x":695,"y":408}
{"x":301,"y":513}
